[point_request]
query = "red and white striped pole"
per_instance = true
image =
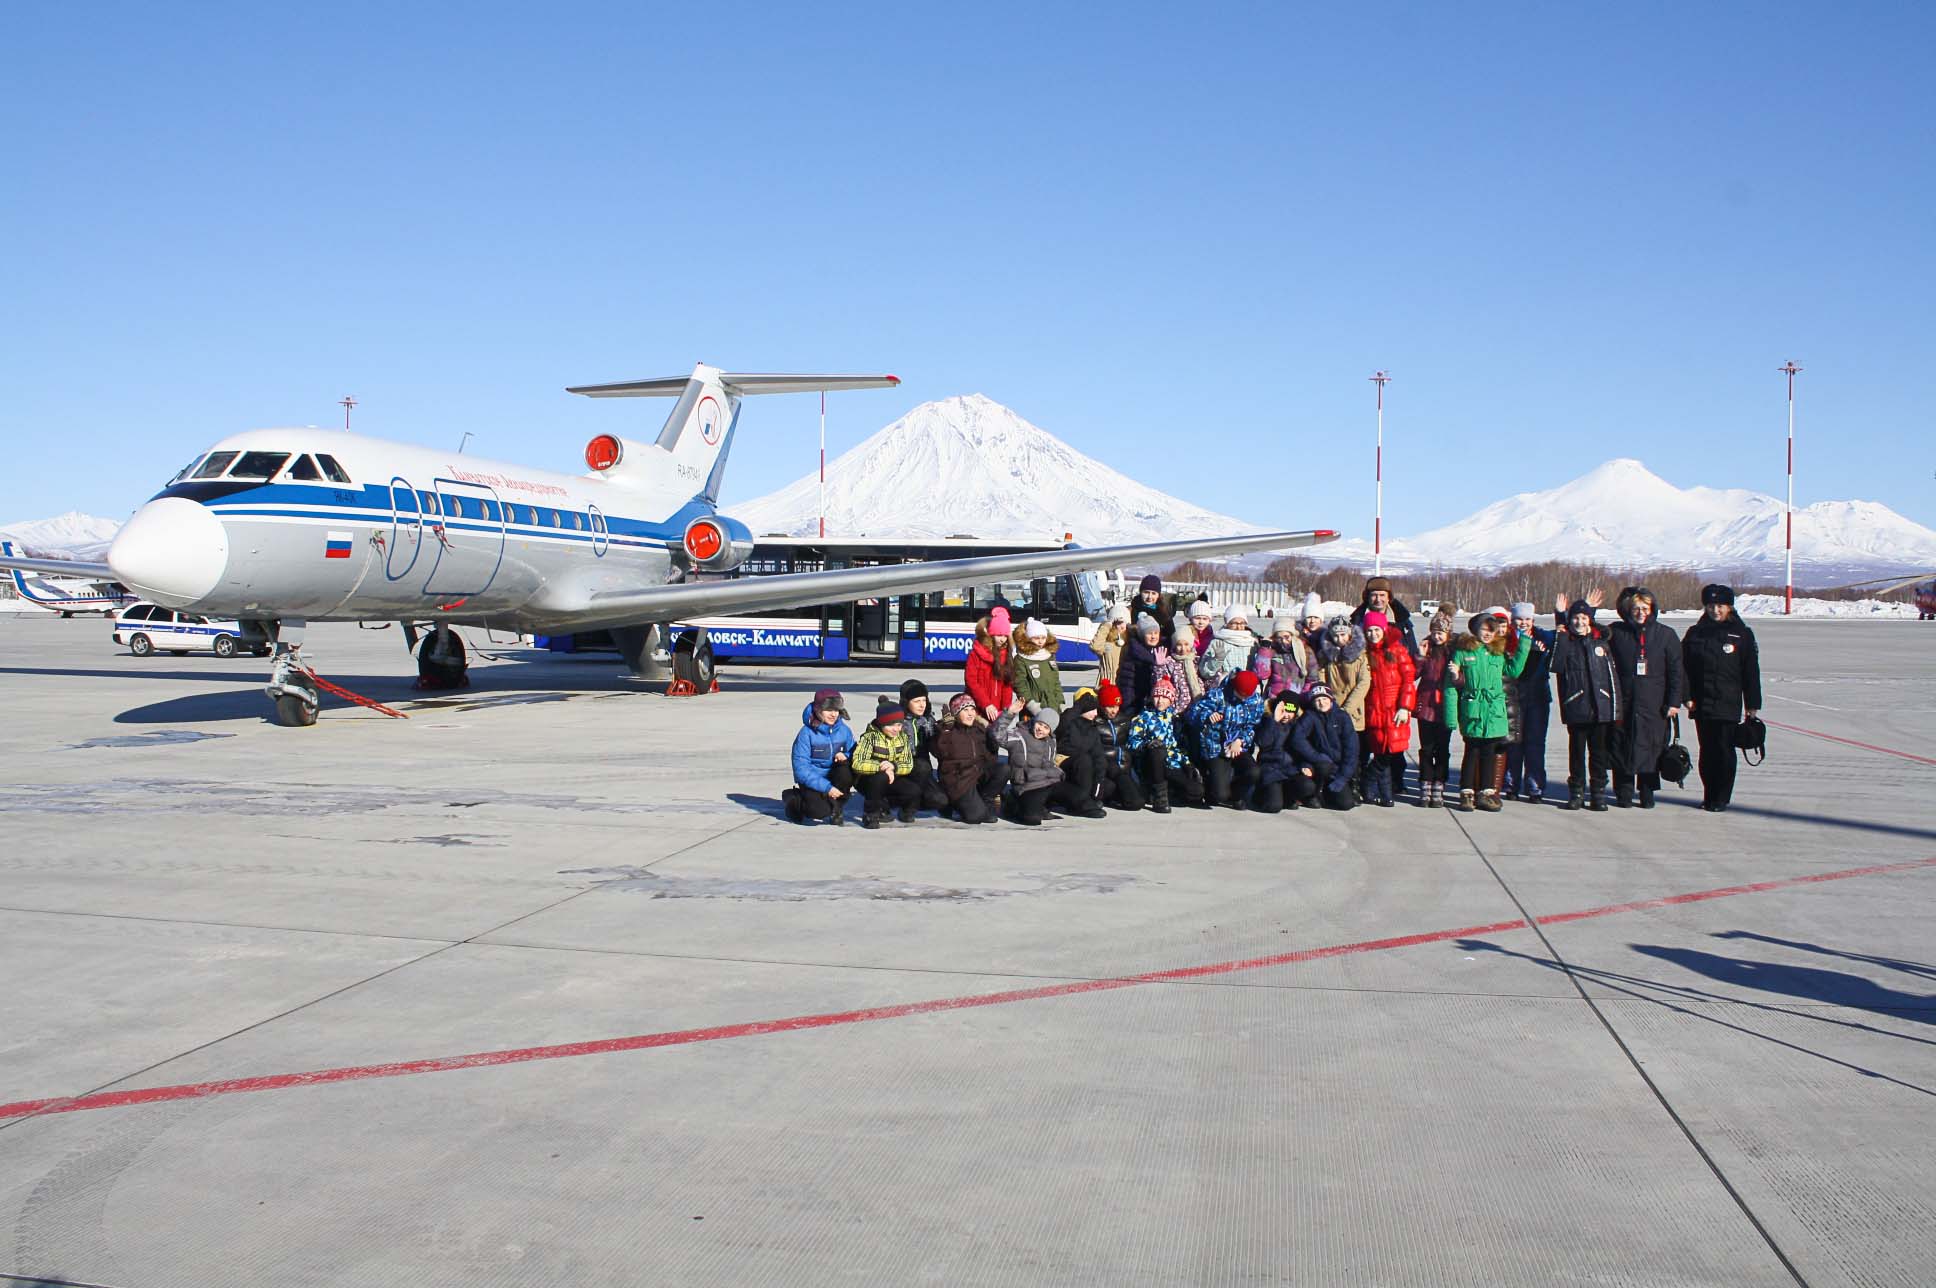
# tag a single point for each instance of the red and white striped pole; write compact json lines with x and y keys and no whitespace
{"x":823,"y":464}
{"x":1788,"y":595}
{"x":1380,"y":379}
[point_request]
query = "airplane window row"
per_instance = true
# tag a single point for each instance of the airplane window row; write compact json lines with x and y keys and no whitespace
{"x":263,"y":466}
{"x":458,"y":507}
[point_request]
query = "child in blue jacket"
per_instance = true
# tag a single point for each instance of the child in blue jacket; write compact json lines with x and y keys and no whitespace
{"x":823,"y":768}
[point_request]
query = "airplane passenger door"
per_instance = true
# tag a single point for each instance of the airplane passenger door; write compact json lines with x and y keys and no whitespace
{"x":406,"y":530}
{"x":466,"y":531}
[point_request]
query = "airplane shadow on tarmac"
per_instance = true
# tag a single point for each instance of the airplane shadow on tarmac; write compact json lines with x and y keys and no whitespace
{"x":1843,"y":990}
{"x":490,"y":687}
{"x":1826,"y":820}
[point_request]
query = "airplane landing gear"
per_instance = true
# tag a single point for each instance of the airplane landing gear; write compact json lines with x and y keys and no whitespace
{"x":294,"y":691}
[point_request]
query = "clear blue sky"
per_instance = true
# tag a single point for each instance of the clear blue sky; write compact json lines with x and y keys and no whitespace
{"x":1179,"y":240}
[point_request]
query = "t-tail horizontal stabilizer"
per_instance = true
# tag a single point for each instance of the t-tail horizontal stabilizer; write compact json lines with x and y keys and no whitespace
{"x":699,"y":432}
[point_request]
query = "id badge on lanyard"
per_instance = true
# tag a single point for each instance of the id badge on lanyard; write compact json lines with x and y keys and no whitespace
{"x":1640,"y":665}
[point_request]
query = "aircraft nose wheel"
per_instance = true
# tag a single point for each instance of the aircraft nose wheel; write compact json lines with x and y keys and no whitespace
{"x":296,"y":697}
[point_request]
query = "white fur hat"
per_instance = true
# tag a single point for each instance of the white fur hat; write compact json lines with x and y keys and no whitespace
{"x":1313,"y":606}
{"x":1035,"y":629}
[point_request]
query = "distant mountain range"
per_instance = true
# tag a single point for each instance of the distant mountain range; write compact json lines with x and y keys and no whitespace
{"x":970,"y":466}
{"x":68,"y":536}
{"x":1621,"y":514}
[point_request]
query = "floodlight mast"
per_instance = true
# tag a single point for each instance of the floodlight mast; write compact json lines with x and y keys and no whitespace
{"x":1789,"y":369}
{"x":1380,"y":379}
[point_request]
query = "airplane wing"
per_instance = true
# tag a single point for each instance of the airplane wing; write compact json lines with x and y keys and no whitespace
{"x":645,"y":604}
{"x":56,"y":567}
{"x":1883,"y":585}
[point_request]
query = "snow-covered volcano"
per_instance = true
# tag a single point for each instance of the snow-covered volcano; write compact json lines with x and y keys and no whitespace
{"x":68,"y":536}
{"x":968,"y":465}
{"x":1621,"y":514}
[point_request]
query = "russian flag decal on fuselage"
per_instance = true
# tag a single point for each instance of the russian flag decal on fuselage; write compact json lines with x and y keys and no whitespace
{"x":336,"y":545}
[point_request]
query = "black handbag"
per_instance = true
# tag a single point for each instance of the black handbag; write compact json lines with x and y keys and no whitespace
{"x":1675,"y":763}
{"x":1751,"y":740}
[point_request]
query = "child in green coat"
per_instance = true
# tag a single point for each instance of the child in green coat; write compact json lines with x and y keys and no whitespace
{"x":1475,"y":703}
{"x":1038,"y":681}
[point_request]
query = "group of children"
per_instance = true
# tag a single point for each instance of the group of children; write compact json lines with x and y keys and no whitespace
{"x":1193,"y":707}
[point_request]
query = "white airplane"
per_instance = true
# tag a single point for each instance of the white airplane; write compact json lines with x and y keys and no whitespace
{"x":290,"y":526}
{"x":63,"y":594}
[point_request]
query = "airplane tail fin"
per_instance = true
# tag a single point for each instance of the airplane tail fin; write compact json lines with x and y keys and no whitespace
{"x":699,"y":432}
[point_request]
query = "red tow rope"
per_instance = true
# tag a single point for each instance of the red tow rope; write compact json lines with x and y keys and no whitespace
{"x":357,"y":698}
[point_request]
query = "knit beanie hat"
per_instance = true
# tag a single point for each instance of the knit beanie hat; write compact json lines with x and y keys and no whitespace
{"x":1499,"y":613}
{"x":828,"y":700}
{"x":1579,"y":608}
{"x":1186,"y":634}
{"x":1374,"y":618}
{"x":1085,"y":701}
{"x":1035,"y":629}
{"x":1146,"y":623}
{"x":912,"y":689}
{"x":888,"y":713}
{"x":998,"y":623}
{"x":1151,"y":582}
{"x":1109,"y":695}
{"x":1120,"y":613}
{"x":1717,"y":594}
{"x":1235,"y":614}
{"x":1317,"y":691}
{"x":1163,"y":688}
{"x":1244,"y":682}
{"x":959,"y":703}
{"x":1202,"y":609}
{"x":1313,"y":606}
{"x":1441,"y":621}
{"x":1048,"y":716}
{"x":1284,"y":626}
{"x":1524,"y":611}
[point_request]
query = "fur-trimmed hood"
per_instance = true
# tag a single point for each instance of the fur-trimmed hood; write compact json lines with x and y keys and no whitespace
{"x":1025,"y":648}
{"x":1329,"y":650}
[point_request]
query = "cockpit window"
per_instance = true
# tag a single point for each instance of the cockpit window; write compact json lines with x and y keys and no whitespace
{"x":217,"y":462}
{"x":258,"y":465}
{"x":305,"y":470}
{"x":183,"y":472}
{"x":331,"y":470}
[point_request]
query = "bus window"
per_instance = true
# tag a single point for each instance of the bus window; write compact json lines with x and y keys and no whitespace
{"x":331,"y":470}
{"x":217,"y":462}
{"x":305,"y":470}
{"x":258,"y":465}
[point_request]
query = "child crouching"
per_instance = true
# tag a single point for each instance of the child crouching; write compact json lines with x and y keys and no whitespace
{"x":884,"y":768}
{"x":1029,"y":740}
{"x":823,"y":771}
{"x":1155,"y":754}
{"x":971,"y":774}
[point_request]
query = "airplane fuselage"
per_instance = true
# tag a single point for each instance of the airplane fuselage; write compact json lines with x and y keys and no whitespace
{"x":402,"y":532}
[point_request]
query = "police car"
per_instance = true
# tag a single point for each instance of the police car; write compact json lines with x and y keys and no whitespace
{"x":148,"y":628}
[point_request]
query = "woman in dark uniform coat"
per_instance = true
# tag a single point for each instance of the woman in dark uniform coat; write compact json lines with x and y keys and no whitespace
{"x":1723,"y":678}
{"x":1647,"y":657}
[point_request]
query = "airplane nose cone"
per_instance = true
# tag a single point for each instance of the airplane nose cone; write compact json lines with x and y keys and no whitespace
{"x":172,"y":551}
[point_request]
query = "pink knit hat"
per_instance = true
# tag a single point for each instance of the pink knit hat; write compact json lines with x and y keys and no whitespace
{"x":1378,"y":619}
{"x":998,"y":623}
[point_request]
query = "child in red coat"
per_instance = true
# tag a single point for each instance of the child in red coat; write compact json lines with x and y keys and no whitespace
{"x":1388,"y":709}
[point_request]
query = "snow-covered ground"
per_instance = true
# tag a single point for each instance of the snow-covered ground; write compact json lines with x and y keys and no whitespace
{"x":1851,"y":609}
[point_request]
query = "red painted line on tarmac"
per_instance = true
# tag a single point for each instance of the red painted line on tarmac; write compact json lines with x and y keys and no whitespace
{"x":761,"y":1028}
{"x":1849,"y":742}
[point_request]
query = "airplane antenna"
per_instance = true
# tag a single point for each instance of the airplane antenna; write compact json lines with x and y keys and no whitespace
{"x":346,"y":402}
{"x":1788,"y":596}
{"x":1379,"y":379}
{"x":464,"y":442}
